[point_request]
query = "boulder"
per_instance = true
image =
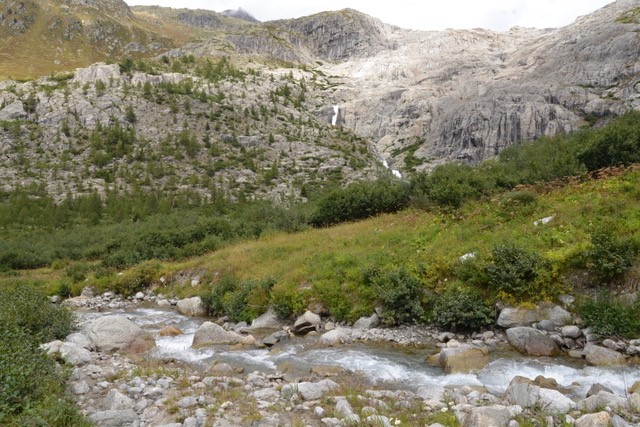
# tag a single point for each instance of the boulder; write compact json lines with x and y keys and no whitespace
{"x":13,"y":111}
{"x":367,"y":322}
{"x":118,"y":401}
{"x":95,"y":72}
{"x":546,"y":325}
{"x":487,"y":416}
{"x":210,"y":333}
{"x":571,"y":331}
{"x":117,"y":333}
{"x":343,"y":409}
{"x":635,"y":388}
{"x":602,"y":356}
{"x":335,"y":337}
{"x":463,"y":358}
{"x":597,"y":388}
{"x":600,"y":419}
{"x":268,"y":320}
{"x":518,"y":316}
{"x":306,"y":323}
{"x":601,"y":400}
{"x":223,"y":369}
{"x":80,"y":339}
{"x":74,"y":354}
{"x":310,"y":390}
{"x":532,"y":342}
{"x":191,"y":307}
{"x":525,"y":393}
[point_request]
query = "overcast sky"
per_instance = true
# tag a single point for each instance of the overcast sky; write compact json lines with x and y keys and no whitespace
{"x":415,"y":14}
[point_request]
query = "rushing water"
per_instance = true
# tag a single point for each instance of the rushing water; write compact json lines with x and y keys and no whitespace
{"x":380,"y":364}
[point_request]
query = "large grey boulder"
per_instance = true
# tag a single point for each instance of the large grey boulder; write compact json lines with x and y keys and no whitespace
{"x":600,"y":419}
{"x":306,"y":323}
{"x":335,"y":336}
{"x":13,"y":111}
{"x":268,"y":320}
{"x":518,"y":316}
{"x":191,"y":307}
{"x":117,"y":333}
{"x":118,"y":401}
{"x":487,"y":416}
{"x":532,"y":342}
{"x":524,"y":392}
{"x":602,"y":356}
{"x":74,"y":354}
{"x":571,"y":331}
{"x":367,"y":322}
{"x":463,"y":358}
{"x":603,"y":399}
{"x":309,"y":390}
{"x":210,"y":333}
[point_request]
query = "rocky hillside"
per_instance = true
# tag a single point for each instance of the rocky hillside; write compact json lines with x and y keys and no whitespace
{"x":208,"y":126}
{"x":414,"y":99}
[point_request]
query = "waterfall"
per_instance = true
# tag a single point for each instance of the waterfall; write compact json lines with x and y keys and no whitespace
{"x":336,"y":112}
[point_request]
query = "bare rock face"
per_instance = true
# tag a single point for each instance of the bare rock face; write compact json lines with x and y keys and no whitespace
{"x":532,"y":342}
{"x":117,"y":333}
{"x":95,"y":72}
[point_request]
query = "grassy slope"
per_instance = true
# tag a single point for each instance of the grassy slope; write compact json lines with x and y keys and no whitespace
{"x":432,"y":242}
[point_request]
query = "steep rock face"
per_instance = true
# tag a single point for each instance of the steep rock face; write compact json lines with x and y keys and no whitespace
{"x":467,"y":94}
{"x":111,"y":7}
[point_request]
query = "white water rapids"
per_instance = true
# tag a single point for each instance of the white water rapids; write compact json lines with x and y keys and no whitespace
{"x":380,"y":364}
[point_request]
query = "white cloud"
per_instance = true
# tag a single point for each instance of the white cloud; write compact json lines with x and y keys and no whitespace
{"x":415,"y":14}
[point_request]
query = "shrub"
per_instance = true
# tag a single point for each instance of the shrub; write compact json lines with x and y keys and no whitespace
{"x":618,"y":143}
{"x":77,"y":272}
{"x":515,"y":270}
{"x":608,"y":257}
{"x":451,"y":185}
{"x":137,"y":279}
{"x":400,"y":295}
{"x":358,"y":201}
{"x":213,"y":299}
{"x":609,"y":316}
{"x":287,"y":301}
{"x":28,"y":308}
{"x":462,"y":309}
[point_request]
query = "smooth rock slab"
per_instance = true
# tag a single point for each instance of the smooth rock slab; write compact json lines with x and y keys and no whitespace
{"x":114,"y":418}
{"x":532,"y":342}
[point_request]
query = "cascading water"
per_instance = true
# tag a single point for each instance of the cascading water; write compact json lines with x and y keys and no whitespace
{"x":336,"y":113}
{"x":380,"y":364}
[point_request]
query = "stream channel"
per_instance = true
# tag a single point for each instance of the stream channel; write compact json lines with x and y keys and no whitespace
{"x":384,"y":365}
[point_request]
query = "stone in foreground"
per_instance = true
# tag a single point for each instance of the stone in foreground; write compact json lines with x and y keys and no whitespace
{"x":532,"y":342}
{"x":117,"y":333}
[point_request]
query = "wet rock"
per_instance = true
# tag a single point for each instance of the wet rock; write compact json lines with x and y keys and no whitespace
{"x":118,"y":401}
{"x":327,"y":371}
{"x":114,"y":418}
{"x":117,"y":333}
{"x":268,"y":320}
{"x":210,"y":333}
{"x":602,"y":356}
{"x":525,"y":393}
{"x":367,"y":322}
{"x":309,"y":390}
{"x":463,"y":358}
{"x":306,"y":323}
{"x":532,"y":342}
{"x":191,"y":307}
{"x":600,"y":419}
{"x":571,"y":331}
{"x":597,"y":388}
{"x":170,"y":331}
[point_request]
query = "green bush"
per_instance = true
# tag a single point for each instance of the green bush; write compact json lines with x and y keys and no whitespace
{"x":287,"y":301}
{"x":452,"y":184}
{"x":400,"y":295}
{"x":28,"y":308}
{"x":609,"y":316}
{"x":462,"y":309}
{"x":238,"y":300}
{"x":608,"y":257}
{"x":358,"y":201}
{"x":137,"y":279}
{"x":213,"y":299}
{"x":515,"y":270}
{"x":618,"y":143}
